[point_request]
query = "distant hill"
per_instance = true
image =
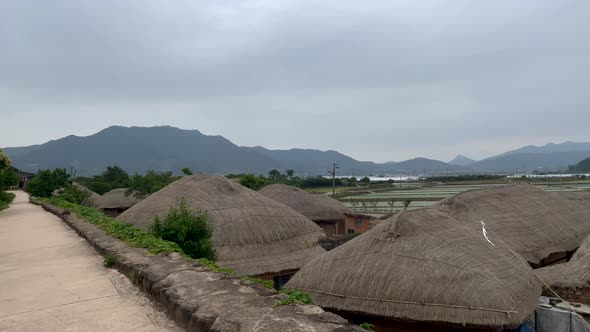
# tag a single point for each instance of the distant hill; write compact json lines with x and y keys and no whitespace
{"x":461,"y":160}
{"x":548,"y":157}
{"x":164,"y":148}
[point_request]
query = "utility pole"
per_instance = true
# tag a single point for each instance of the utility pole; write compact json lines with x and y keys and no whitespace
{"x":334,"y":167}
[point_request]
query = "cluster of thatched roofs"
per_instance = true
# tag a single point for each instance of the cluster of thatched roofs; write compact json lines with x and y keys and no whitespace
{"x":466,"y":260}
{"x":462,"y":261}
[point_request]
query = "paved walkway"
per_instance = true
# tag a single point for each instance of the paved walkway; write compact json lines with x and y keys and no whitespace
{"x":52,"y":280}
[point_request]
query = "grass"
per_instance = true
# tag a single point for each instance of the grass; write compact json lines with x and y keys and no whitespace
{"x":367,"y":327}
{"x":5,"y":199}
{"x":138,"y":238}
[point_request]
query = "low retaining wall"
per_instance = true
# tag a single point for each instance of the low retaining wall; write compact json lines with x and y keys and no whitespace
{"x":201,"y":300}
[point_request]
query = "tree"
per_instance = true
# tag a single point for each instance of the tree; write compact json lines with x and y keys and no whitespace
{"x":187,"y":171}
{"x":142,"y":186}
{"x":365,"y":181}
{"x":8,"y":176}
{"x":115,"y":175}
{"x":47,"y":181}
{"x":407,"y":203}
{"x":274,"y":175}
{"x":252,"y":182}
{"x":187,"y":228}
{"x":290,"y":173}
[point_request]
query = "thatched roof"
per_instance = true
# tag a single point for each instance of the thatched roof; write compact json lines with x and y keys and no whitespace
{"x":92,"y":197}
{"x":116,"y":199}
{"x":532,"y":222}
{"x":573,"y":274}
{"x":251,"y":233}
{"x":314,"y":207}
{"x":423,"y":265}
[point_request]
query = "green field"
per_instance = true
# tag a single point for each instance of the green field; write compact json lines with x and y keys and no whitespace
{"x":388,"y":201}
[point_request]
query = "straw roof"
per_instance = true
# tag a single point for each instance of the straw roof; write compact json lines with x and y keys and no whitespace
{"x":314,"y":207}
{"x":573,"y":274}
{"x":116,"y":199}
{"x":423,"y":265}
{"x":251,"y":233}
{"x":532,"y":222}
{"x":92,"y":197}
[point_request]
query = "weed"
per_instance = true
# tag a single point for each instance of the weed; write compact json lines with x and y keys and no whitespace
{"x":368,"y":327}
{"x":109,"y":260}
{"x":295,"y":296}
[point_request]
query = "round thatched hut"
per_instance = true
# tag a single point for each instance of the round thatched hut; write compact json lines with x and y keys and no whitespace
{"x":422,"y":266}
{"x":91,"y":199}
{"x":540,"y":226}
{"x":325,"y":211}
{"x":252,"y":234}
{"x":115,"y":202}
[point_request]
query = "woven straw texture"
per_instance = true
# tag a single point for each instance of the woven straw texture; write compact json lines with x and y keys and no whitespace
{"x":116,"y":199}
{"x":532,"y":222}
{"x":423,"y":265}
{"x":314,"y":207}
{"x":251,"y":233}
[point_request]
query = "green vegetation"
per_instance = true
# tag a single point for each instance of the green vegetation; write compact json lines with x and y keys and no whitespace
{"x":368,"y":327}
{"x":5,"y":199}
{"x":144,"y":185}
{"x":294,"y":296}
{"x":113,"y":177}
{"x":128,"y":233}
{"x":459,"y":178}
{"x":73,"y":194}
{"x":109,"y":260}
{"x":187,"y":171}
{"x":187,"y":228}
{"x":47,"y":181}
{"x":253,"y":182}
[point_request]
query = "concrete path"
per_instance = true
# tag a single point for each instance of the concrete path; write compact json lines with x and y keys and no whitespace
{"x":52,"y":280}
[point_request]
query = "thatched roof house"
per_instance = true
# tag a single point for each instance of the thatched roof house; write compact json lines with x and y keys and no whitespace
{"x":423,"y":265}
{"x":534,"y":223}
{"x":252,"y":234}
{"x":327,"y":212}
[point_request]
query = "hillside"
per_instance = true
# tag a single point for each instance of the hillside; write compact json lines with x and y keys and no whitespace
{"x":461,"y":160}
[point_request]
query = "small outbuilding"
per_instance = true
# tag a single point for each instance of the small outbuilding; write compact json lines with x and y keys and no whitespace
{"x":423,"y":270}
{"x":252,"y":234}
{"x":324,"y":210}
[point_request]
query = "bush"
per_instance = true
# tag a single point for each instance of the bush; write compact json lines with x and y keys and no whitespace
{"x":187,"y":228}
{"x":6,"y":199}
{"x":294,"y":296}
{"x":46,"y":181}
{"x":8,"y":178}
{"x":142,"y":186}
{"x":368,"y":327}
{"x":73,"y":194}
{"x":252,"y":182}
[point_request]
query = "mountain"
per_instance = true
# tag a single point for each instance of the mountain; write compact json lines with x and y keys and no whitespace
{"x":547,"y":157}
{"x":164,"y":148}
{"x":461,"y":160}
{"x":138,"y":149}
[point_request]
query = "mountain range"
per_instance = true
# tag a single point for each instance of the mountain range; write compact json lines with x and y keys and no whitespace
{"x":164,"y":148}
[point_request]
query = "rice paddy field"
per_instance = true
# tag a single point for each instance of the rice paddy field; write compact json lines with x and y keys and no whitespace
{"x":419,"y":195}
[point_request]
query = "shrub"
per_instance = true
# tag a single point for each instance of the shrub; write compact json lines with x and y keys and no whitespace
{"x":46,"y":181}
{"x":5,"y":199}
{"x":187,"y":228}
{"x":252,"y":182}
{"x":73,"y":194}
{"x":8,"y":178}
{"x":142,"y":186}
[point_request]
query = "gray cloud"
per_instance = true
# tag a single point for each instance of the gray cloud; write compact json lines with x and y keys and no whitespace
{"x":385,"y":80}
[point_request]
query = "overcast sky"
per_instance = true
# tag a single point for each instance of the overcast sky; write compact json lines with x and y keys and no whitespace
{"x":381,"y":80}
